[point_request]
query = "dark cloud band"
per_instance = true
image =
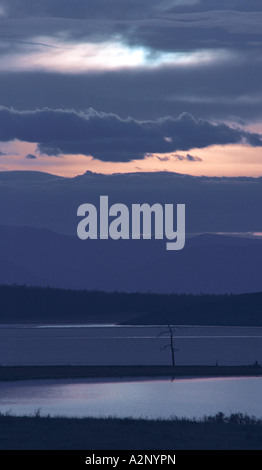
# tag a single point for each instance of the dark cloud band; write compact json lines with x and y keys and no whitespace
{"x":107,"y":137}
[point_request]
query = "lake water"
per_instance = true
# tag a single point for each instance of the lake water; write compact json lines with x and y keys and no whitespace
{"x":111,"y":344}
{"x":137,"y":398}
{"x":117,"y":345}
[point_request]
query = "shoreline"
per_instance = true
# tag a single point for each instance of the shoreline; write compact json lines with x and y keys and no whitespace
{"x":13,"y":373}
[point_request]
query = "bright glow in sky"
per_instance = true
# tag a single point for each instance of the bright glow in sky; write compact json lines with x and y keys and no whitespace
{"x":230,"y":160}
{"x":45,"y":53}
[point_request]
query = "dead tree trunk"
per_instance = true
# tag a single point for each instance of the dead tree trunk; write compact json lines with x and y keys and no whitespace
{"x":172,"y":347}
{"x":171,"y":344}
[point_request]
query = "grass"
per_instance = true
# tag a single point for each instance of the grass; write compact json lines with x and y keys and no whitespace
{"x":219,"y":432}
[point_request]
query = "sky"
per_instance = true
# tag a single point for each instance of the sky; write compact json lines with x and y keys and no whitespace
{"x":120,"y":86}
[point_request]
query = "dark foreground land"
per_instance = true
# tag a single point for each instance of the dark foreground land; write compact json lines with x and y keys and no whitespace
{"x":8,"y":373}
{"x":236,"y":432}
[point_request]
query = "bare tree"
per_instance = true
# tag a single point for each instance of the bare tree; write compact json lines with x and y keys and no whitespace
{"x":171,"y":344}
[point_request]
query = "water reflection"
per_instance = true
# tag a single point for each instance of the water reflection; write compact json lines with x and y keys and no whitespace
{"x":137,"y":398}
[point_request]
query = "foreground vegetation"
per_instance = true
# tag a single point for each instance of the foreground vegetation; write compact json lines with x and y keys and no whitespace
{"x":239,"y":432}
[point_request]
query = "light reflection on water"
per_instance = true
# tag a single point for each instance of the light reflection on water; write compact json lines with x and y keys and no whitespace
{"x":147,"y":398}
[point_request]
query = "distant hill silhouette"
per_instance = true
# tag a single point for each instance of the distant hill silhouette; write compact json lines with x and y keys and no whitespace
{"x":213,"y":204}
{"x":11,"y":273}
{"x":208,"y":263}
{"x":19,"y":304}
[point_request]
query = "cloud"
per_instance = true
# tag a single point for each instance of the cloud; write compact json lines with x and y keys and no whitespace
{"x":187,"y":157}
{"x":163,"y":159}
{"x":107,"y":137}
{"x":2,"y":154}
{"x":191,"y":158}
{"x":74,"y":58}
{"x":143,"y":24}
{"x":221,"y":32}
{"x":226,"y":35}
{"x":30,"y":156}
{"x":209,"y":92}
{"x":129,"y":9}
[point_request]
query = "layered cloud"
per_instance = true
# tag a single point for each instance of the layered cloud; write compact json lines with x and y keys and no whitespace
{"x":188,"y":157}
{"x":187,"y":71}
{"x":31,"y":156}
{"x":162,"y":26}
{"x":107,"y":137}
{"x":133,"y":57}
{"x":117,"y":9}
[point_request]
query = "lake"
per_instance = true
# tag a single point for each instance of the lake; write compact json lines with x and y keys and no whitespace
{"x":136,"y":398}
{"x":119,"y":345}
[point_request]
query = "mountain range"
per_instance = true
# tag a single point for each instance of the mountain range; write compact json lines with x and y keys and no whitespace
{"x":208,"y":264}
{"x":39,"y":244}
